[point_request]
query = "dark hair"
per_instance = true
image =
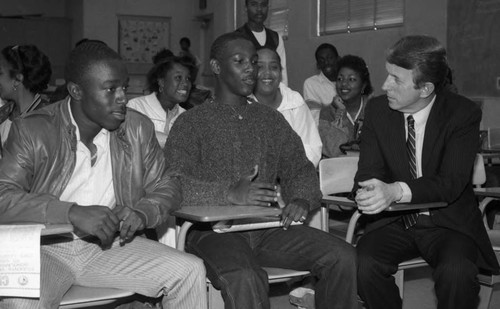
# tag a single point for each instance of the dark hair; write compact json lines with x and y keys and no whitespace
{"x":358,"y":65}
{"x":29,"y":61}
{"x":161,"y":69}
{"x":162,"y":55}
{"x":185,"y":40}
{"x":273,"y":51}
{"x":326,"y":46}
{"x":219,"y":45}
{"x":422,"y":54}
{"x":83,"y":56}
{"x":85,"y":40}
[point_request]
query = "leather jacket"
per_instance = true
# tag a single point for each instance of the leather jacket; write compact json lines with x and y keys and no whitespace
{"x":39,"y":159}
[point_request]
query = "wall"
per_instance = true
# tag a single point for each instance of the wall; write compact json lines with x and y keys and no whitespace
{"x":100,"y":18}
{"x":424,"y":16}
{"x":52,"y":8}
{"x":421,"y":17}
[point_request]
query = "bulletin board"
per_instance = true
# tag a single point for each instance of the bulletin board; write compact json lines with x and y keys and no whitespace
{"x":473,"y":46}
{"x":141,"y":37}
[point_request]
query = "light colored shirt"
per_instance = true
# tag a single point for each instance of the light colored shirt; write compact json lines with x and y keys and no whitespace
{"x":319,"y":89}
{"x":297,"y":114}
{"x":294,"y":109}
{"x":261,"y":38}
{"x":420,"y":118}
{"x":162,"y":120}
{"x":91,"y":185}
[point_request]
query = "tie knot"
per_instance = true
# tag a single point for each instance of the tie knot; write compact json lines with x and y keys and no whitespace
{"x":410,"y":120}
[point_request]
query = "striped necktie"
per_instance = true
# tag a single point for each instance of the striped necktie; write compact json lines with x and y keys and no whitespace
{"x":410,"y":219}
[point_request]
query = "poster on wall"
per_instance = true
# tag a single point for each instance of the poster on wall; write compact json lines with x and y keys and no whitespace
{"x":141,"y":37}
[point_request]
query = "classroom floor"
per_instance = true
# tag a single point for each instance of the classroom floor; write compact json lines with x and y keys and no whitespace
{"x":419,"y":293}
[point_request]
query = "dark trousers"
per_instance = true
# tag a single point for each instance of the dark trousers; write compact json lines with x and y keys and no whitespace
{"x":452,"y":256}
{"x":234,"y":264}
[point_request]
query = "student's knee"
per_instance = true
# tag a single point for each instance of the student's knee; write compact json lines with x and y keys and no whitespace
{"x":456,"y":270}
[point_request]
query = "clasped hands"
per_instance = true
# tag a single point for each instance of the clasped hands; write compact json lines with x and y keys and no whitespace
{"x":374,"y":196}
{"x":247,"y":191}
{"x":103,"y":222}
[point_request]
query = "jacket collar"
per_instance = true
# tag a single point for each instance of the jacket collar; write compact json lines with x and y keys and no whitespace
{"x":71,"y":129}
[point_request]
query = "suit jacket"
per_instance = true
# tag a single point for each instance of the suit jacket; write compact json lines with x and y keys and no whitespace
{"x":451,"y":142}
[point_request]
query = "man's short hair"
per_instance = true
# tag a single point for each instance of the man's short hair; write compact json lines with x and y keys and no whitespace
{"x":326,"y":46}
{"x":185,"y":40}
{"x":422,"y":54}
{"x":83,"y":56}
{"x":219,"y":45}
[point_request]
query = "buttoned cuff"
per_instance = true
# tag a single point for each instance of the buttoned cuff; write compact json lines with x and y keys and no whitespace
{"x":406,"y":198}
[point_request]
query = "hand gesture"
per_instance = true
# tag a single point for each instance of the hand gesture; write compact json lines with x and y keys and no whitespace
{"x":247,"y":192}
{"x":338,"y":103}
{"x":296,"y":210}
{"x":131,"y":221}
{"x":98,"y":221}
{"x":374,"y":196}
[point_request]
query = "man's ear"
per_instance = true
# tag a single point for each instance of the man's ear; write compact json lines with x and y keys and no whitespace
{"x":75,"y":91}
{"x":427,"y":90}
{"x":215,"y":66}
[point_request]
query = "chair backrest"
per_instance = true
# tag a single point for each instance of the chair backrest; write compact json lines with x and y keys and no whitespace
{"x":494,"y":137}
{"x":336,"y":175}
{"x":479,"y":173}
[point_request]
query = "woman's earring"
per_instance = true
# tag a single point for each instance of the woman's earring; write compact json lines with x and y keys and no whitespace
{"x":160,"y":89}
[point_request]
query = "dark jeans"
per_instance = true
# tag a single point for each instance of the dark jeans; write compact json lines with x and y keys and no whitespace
{"x":452,"y":256}
{"x":234,"y":264}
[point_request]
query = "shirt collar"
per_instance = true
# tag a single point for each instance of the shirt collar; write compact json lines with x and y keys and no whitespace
{"x":422,"y":115}
{"x":77,"y":130}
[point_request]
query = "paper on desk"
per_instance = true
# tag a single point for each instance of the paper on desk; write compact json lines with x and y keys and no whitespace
{"x":20,"y":260}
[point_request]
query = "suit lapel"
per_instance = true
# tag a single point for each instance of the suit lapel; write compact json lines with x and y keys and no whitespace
{"x":397,"y":133}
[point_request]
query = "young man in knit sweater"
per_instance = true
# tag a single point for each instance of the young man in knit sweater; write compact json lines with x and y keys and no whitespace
{"x":232,"y":152}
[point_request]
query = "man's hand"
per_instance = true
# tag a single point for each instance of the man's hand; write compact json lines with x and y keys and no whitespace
{"x":375,"y":196}
{"x":296,"y":210}
{"x":247,"y":192}
{"x":98,"y":221}
{"x":131,"y":221}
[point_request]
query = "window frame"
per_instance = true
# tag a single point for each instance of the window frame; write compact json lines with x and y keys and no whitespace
{"x":322,"y":24}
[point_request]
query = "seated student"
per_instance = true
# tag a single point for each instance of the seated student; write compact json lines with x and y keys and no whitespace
{"x":170,"y":84}
{"x":340,"y":123}
{"x":26,"y":73}
{"x":230,"y":152}
{"x":270,"y":91}
{"x":418,"y":145}
{"x":319,"y":90}
{"x":90,"y":162}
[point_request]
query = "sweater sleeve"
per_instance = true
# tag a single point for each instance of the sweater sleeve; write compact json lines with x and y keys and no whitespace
{"x":297,"y":174}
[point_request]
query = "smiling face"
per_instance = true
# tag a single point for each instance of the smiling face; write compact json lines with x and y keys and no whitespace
{"x":269,"y":74}
{"x":101,"y":95}
{"x":176,"y":85}
{"x":349,"y":85}
{"x":257,"y":11}
{"x":7,"y":82}
{"x":401,"y":90}
{"x":237,"y":67}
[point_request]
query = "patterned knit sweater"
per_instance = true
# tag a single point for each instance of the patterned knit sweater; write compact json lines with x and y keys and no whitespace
{"x":212,"y":148}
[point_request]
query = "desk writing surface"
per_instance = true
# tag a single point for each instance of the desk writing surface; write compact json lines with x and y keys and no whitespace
{"x":343,"y":201}
{"x":218,"y":213}
{"x":488,"y":192}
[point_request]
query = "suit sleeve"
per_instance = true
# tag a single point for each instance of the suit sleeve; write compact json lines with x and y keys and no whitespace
{"x":371,"y":162}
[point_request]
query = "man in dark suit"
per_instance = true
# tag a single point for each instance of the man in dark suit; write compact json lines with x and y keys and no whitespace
{"x":418,"y":145}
